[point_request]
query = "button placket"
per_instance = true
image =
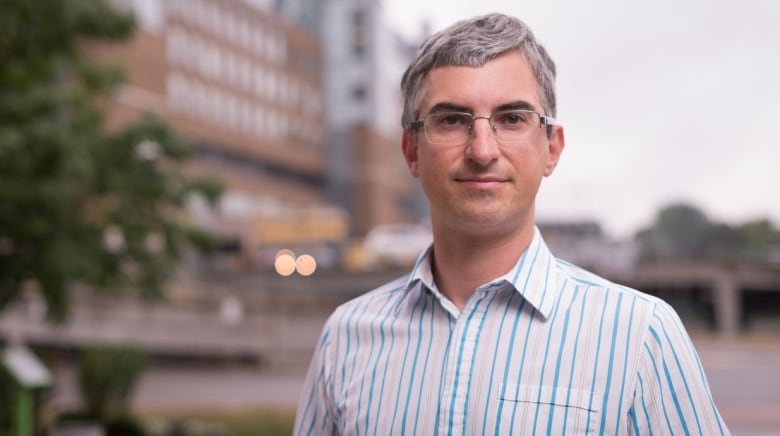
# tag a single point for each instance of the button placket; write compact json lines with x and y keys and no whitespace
{"x":461,"y":354}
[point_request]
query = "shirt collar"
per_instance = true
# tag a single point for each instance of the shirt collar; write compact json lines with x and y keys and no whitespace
{"x":532,"y":276}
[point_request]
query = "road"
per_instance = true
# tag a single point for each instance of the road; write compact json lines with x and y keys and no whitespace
{"x":744,"y":377}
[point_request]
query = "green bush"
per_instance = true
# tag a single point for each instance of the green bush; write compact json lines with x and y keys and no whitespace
{"x":221,"y":423}
{"x":7,"y":396}
{"x":125,"y":425}
{"x":106,"y":379}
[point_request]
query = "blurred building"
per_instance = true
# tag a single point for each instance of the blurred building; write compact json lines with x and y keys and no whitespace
{"x":363,"y":63}
{"x":245,"y":87}
{"x":294,"y":104}
{"x":584,"y":243}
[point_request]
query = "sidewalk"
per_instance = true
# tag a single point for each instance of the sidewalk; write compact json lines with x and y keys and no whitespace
{"x":744,"y":377}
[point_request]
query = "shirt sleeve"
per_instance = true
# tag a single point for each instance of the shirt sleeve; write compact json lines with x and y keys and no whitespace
{"x":315,"y":414}
{"x":672,"y":395}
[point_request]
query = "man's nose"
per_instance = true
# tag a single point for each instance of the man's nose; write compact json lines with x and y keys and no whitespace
{"x":483,"y":146}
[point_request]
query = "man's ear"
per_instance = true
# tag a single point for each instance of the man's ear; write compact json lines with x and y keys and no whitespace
{"x":409,"y":146}
{"x":555,"y":146}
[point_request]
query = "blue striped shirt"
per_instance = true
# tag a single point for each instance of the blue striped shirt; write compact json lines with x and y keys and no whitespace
{"x":547,"y":348}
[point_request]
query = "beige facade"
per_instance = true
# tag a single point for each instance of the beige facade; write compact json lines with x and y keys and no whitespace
{"x":244,"y":87}
{"x":235,"y":80}
{"x":381,"y":180}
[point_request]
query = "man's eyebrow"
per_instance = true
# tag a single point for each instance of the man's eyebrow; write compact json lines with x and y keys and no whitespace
{"x":446,"y":106}
{"x":514,"y":105}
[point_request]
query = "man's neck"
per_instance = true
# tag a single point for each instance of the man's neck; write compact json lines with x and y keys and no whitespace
{"x":463,"y":263}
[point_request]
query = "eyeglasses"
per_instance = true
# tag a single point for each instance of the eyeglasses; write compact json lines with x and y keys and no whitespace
{"x":456,"y":128}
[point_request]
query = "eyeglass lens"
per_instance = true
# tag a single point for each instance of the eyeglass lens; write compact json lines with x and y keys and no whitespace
{"x":455,"y":128}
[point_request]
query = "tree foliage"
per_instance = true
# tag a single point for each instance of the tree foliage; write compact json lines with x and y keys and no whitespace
{"x":78,"y":204}
{"x":106,"y":379}
{"x":684,"y":231}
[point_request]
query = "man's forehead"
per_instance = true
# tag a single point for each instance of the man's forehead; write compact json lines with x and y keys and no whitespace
{"x":507,"y":80}
{"x":473,"y":103}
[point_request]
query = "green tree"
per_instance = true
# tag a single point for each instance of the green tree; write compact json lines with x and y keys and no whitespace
{"x":78,"y":204}
{"x":724,"y":242}
{"x":758,"y":237}
{"x":7,"y":396}
{"x":106,"y":379}
{"x":679,"y":230}
{"x":683,"y":231}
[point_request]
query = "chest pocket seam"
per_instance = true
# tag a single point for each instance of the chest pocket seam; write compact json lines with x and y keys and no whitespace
{"x":576,"y":398}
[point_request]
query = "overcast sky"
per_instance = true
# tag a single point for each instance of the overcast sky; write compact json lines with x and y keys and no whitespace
{"x":663,"y":101}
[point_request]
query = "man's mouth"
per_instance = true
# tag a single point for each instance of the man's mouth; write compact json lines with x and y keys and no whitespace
{"x":481,"y":181}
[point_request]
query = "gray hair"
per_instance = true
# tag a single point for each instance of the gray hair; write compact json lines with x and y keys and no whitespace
{"x":473,"y":42}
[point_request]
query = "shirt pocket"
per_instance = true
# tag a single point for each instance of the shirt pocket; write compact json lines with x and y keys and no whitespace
{"x":550,"y":410}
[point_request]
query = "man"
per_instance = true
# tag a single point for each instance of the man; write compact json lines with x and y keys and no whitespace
{"x":491,"y":334}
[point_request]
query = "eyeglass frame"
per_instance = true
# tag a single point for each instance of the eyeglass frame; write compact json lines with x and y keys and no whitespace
{"x":544,"y":120}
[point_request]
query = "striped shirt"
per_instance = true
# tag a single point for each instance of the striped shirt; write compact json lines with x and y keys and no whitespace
{"x":547,"y":348}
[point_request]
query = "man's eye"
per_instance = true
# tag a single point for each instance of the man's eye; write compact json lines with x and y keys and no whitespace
{"x":512,"y":118}
{"x":452,"y":119}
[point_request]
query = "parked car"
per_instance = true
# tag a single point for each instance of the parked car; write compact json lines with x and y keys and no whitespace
{"x":395,"y":245}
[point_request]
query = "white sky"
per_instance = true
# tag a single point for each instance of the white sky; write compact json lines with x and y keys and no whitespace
{"x":662,"y":101}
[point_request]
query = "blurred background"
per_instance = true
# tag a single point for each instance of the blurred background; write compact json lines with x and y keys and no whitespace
{"x":189,"y":187}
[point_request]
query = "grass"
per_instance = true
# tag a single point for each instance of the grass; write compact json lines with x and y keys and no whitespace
{"x":237,"y":423}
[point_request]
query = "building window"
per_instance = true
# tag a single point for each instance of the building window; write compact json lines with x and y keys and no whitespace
{"x":175,"y":91}
{"x":230,"y":68}
{"x":259,"y":81}
{"x":218,"y":65}
{"x":284,"y":125}
{"x":197,"y":98}
{"x":204,"y":67}
{"x":172,"y":7}
{"x":283,"y":89}
{"x":270,"y":85}
{"x":271,"y":125}
{"x":200,"y":13}
{"x":246,"y":116}
{"x":220,"y":108}
{"x":261,"y":46}
{"x":359,"y":93}
{"x":210,"y":18}
{"x":232,"y":111}
{"x":270,"y":47}
{"x":230,"y":27}
{"x":218,"y":22}
{"x":194,"y":48}
{"x":259,"y":125}
{"x":295,"y":93}
{"x":281,"y":55}
{"x":246,"y":75}
{"x":245,"y":33}
{"x":359,"y":30}
{"x":174,"y":45}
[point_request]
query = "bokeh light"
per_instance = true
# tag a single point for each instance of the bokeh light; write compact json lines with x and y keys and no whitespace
{"x":306,"y":265}
{"x":285,"y":262}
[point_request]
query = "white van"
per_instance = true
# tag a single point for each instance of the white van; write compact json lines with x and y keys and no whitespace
{"x":395,"y":245}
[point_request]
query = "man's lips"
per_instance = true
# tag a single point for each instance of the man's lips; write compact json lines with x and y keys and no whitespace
{"x":484,"y":181}
{"x":479,"y":177}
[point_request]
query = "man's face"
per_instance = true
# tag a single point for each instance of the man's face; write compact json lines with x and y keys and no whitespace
{"x":483,"y":187}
